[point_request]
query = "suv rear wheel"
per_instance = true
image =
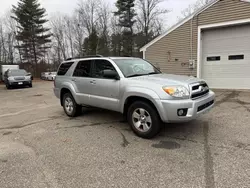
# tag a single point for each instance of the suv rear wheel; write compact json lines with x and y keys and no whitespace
{"x":71,"y":108}
{"x":144,"y":120}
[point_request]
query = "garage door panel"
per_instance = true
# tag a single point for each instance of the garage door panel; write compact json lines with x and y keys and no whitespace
{"x":221,"y":43}
{"x":224,"y":72}
{"x":219,"y":83}
{"x":228,"y":45}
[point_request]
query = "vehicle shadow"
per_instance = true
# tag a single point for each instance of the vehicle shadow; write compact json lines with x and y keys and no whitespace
{"x":16,"y":88}
{"x":182,"y":131}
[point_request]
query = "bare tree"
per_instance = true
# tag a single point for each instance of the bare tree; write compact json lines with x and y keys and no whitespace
{"x":7,"y":38}
{"x":149,"y":15}
{"x":116,"y":37}
{"x":194,"y":7}
{"x":11,"y":30}
{"x":78,"y":34}
{"x":2,"y":43}
{"x":69,"y":34}
{"x":88,"y":11}
{"x":58,"y":29}
{"x":103,"y":24}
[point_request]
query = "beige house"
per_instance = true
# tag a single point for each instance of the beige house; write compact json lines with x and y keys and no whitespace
{"x":212,"y":44}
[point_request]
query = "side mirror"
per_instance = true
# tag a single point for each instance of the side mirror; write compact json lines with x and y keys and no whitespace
{"x":111,"y":74}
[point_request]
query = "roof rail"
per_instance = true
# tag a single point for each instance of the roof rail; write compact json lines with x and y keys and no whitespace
{"x":87,"y":56}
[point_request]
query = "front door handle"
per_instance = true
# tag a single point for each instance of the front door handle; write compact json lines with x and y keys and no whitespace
{"x":73,"y":79}
{"x":93,"y":82}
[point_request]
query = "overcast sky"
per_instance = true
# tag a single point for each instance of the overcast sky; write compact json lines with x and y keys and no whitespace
{"x":67,"y":6}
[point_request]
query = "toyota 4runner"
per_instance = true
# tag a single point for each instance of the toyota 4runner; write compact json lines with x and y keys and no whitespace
{"x":133,"y":87}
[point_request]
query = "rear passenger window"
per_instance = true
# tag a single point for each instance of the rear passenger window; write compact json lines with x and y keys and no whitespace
{"x":64,"y":68}
{"x":83,"y":69}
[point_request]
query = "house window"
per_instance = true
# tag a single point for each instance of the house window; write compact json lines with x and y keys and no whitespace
{"x":235,"y":57}
{"x":213,"y":58}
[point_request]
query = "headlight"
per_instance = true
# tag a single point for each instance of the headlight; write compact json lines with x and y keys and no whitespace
{"x":177,"y":91}
{"x":27,"y":77}
{"x":11,"y":78}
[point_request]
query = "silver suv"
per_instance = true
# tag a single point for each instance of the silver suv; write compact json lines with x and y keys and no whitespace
{"x":133,"y":87}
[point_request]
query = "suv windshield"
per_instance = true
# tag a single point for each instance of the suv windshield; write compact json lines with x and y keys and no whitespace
{"x":19,"y":72}
{"x":135,"y":67}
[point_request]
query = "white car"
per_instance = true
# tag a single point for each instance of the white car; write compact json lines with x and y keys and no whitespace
{"x":44,"y":75}
{"x":51,"y":76}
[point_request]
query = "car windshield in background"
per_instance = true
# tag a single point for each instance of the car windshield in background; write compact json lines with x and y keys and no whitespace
{"x":135,"y":67}
{"x":17,"y":73}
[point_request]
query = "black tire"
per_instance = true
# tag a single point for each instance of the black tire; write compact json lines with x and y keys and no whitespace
{"x":30,"y":85}
{"x":149,"y":111}
{"x":8,"y":86}
{"x":77,"y":109}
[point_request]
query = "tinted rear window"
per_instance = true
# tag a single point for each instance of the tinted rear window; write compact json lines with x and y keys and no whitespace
{"x":64,"y":68}
{"x":83,"y":69}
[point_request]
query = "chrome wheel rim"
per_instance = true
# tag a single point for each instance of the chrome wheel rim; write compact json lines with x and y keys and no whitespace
{"x":69,"y":105}
{"x":141,"y":120}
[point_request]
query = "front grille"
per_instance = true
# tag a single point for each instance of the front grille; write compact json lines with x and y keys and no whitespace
{"x":197,"y":86}
{"x":19,"y":78}
{"x":204,"y":106}
{"x":199,"y":89}
{"x":199,"y":94}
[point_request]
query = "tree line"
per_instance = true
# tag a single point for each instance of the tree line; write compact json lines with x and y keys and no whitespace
{"x":29,"y":36}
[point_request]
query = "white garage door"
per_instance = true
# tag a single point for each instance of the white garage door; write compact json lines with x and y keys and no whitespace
{"x":226,"y":57}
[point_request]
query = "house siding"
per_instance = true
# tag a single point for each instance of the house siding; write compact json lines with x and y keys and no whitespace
{"x":173,"y":52}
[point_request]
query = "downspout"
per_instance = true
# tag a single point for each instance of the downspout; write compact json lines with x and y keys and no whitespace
{"x":191,"y":42}
{"x":144,"y":54}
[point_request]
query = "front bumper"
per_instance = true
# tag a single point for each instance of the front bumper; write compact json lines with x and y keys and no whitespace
{"x":195,"y":108}
{"x":19,"y":83}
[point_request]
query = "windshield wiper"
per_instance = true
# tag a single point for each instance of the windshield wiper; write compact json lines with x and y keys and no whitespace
{"x":153,"y":73}
{"x":135,"y":75}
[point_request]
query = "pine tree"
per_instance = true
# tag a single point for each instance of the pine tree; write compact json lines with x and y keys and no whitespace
{"x":33,"y":37}
{"x":126,"y":13}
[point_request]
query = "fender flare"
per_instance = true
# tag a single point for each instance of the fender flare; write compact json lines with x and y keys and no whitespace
{"x":71,"y":89}
{"x":144,"y":93}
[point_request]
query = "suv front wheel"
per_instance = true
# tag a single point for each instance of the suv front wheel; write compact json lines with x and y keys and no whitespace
{"x":144,"y":120}
{"x":71,"y":108}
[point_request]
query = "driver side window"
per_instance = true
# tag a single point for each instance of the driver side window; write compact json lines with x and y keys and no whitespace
{"x":100,"y":66}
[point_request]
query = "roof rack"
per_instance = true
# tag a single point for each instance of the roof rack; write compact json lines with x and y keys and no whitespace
{"x":87,"y":56}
